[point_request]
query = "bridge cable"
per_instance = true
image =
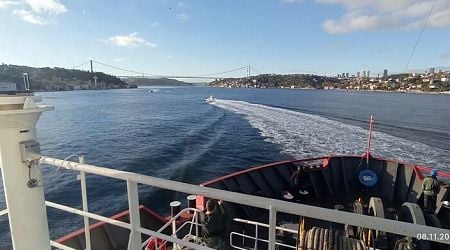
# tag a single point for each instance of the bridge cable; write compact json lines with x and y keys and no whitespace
{"x":127,"y":70}
{"x":76,"y":67}
{"x":223,"y":72}
{"x":151,"y":74}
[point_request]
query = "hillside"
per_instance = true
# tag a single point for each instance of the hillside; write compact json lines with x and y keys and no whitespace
{"x":156,"y":82}
{"x":277,"y":81}
{"x":55,"y":79}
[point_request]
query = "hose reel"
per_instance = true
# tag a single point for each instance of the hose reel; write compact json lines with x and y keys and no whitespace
{"x":412,"y":213}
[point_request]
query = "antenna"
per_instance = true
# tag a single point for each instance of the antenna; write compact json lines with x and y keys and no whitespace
{"x":420,"y":36}
{"x":26,"y":82}
{"x":369,"y":139}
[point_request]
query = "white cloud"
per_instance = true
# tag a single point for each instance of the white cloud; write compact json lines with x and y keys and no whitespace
{"x":118,"y":59}
{"x":29,"y":17}
{"x":183,"y":17}
{"x":370,"y":15}
{"x":131,"y":40}
{"x":37,"y":12}
{"x":169,"y":57}
{"x":155,"y":24}
{"x":182,"y":5}
{"x":8,"y":3}
{"x":47,"y":6}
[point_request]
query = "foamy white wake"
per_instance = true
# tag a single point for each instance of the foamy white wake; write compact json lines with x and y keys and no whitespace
{"x":303,"y":135}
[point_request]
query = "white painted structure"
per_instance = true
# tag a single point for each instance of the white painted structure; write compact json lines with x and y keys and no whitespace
{"x":24,"y":197}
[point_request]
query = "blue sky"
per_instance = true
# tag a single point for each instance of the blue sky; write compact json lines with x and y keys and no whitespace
{"x":204,"y":36}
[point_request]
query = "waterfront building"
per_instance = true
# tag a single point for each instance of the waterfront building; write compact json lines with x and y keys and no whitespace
{"x":7,"y":86}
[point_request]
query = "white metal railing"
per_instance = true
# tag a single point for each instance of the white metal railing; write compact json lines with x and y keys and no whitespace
{"x":60,"y":246}
{"x":273,"y":205}
{"x":173,"y":219}
{"x":123,"y":225}
{"x":135,"y":241}
{"x":4,"y":212}
{"x":256,"y":237}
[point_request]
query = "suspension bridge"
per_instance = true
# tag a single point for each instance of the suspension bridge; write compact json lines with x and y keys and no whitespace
{"x":129,"y":73}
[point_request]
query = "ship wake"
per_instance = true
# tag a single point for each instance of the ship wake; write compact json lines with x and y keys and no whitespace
{"x":303,"y":135}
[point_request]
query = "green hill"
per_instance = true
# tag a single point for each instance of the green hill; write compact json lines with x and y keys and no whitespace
{"x":55,"y":79}
{"x":277,"y":81}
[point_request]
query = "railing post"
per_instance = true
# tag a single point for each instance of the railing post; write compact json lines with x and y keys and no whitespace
{"x":174,"y":210}
{"x":272,"y":227}
{"x":196,"y":214}
{"x":134,"y":242}
{"x":256,"y":236}
{"x":87,"y":232}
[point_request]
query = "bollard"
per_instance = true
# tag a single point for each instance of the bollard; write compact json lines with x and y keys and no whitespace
{"x":192,"y":199}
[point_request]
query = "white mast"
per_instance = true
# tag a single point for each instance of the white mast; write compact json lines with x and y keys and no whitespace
{"x":22,"y":179}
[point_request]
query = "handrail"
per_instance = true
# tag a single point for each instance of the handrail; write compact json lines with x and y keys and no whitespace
{"x":256,"y":239}
{"x":124,"y":225}
{"x":169,"y":222}
{"x":265,"y":225}
{"x":3,"y":212}
{"x":273,"y":205}
{"x":187,"y":223}
{"x":60,"y":246}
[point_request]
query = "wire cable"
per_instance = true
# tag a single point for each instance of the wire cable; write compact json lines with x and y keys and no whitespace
{"x":158,"y":75}
{"x":223,"y":72}
{"x":420,"y":36}
{"x":152,"y":74}
{"x":76,"y":67}
{"x":127,"y":70}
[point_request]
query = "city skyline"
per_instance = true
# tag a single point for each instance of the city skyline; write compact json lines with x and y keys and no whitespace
{"x":324,"y":37}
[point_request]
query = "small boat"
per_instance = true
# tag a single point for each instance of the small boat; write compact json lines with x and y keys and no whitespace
{"x":210,"y":99}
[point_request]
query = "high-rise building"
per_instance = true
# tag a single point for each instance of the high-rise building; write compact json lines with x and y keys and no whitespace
{"x":364,"y":73}
{"x":385,"y":73}
{"x":368,"y":73}
{"x":358,"y":74}
{"x":431,"y":71}
{"x":346,"y":74}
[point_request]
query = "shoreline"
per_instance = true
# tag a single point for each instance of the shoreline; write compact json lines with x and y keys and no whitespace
{"x":351,"y":90}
